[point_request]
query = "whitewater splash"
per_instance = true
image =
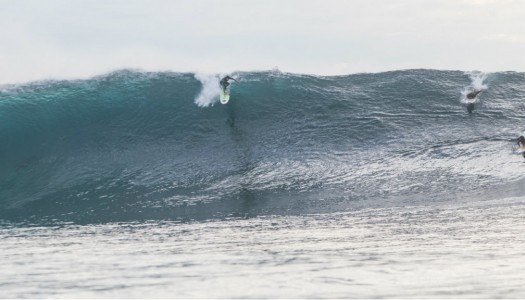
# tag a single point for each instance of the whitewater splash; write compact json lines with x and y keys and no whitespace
{"x":209,"y":93}
{"x":478,"y":80}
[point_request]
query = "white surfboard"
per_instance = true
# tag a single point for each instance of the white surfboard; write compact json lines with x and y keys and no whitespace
{"x":225,"y":95}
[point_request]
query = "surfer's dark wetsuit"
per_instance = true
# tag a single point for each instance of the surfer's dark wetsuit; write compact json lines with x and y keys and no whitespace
{"x":521,"y":143}
{"x":224,"y":82}
{"x":473,"y":94}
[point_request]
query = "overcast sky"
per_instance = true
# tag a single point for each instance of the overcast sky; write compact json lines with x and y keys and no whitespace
{"x":41,"y":39}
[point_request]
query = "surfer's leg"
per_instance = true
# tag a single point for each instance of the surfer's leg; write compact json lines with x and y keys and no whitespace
{"x":470,"y":107}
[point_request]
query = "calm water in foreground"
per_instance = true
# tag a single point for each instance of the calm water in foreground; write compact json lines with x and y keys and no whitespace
{"x":444,"y":251}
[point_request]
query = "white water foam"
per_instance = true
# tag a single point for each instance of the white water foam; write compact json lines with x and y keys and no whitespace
{"x":210,"y":89}
{"x":477,"y":79}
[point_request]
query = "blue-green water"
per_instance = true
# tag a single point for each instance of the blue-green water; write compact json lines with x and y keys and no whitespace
{"x":138,"y":184}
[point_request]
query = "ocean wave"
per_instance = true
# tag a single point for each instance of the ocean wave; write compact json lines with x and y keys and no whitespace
{"x":134,"y":145}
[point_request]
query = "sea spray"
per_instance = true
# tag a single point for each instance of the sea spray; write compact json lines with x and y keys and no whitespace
{"x":210,"y":89}
{"x":478,"y":79}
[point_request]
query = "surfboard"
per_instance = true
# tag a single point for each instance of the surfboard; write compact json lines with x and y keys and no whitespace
{"x":225,"y":95}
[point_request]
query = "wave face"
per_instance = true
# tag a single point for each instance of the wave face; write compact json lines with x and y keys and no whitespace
{"x":132,"y":146}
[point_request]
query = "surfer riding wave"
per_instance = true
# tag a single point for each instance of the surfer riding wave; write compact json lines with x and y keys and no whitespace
{"x":225,"y":82}
{"x":471,"y":96}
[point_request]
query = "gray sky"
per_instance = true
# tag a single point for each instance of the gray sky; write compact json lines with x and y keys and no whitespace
{"x":42,"y":39}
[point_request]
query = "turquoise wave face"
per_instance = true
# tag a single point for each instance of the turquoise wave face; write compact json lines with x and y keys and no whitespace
{"x":135,"y":146}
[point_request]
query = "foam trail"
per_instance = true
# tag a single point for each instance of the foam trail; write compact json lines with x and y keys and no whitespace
{"x":210,"y":90}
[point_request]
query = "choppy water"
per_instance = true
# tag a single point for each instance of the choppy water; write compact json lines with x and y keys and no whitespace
{"x":371,"y":185}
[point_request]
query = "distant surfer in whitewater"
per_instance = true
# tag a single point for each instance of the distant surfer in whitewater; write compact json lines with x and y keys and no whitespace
{"x":521,"y":141}
{"x":224,"y":82}
{"x":472,"y":95}
{"x":521,"y":145}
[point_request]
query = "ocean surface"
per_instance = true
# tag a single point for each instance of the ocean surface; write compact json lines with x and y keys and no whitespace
{"x":387,"y":185}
